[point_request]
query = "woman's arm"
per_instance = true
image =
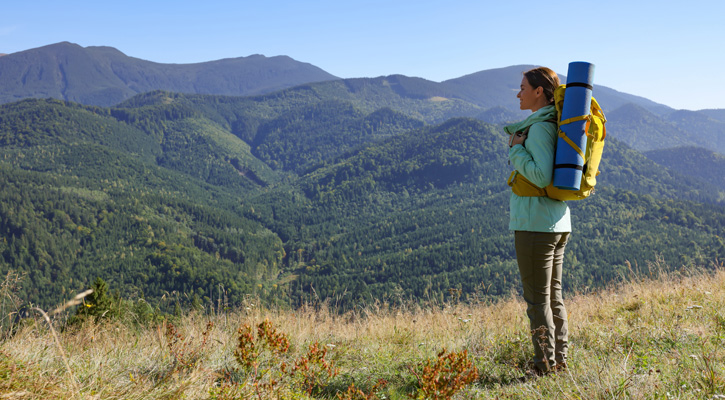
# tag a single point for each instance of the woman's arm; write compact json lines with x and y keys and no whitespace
{"x":536,"y":160}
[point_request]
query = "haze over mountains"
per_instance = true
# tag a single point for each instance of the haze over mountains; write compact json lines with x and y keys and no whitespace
{"x":369,"y":188}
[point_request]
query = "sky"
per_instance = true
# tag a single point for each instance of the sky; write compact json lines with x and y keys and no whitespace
{"x":671,"y":52}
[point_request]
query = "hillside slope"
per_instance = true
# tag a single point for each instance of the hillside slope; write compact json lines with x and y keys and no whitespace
{"x":695,"y":162}
{"x":644,"y":130}
{"x":334,"y":189}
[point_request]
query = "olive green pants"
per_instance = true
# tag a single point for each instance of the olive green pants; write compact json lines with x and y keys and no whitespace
{"x":540,"y":255}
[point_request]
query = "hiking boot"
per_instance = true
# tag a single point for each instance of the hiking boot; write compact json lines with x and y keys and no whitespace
{"x":533,"y":372}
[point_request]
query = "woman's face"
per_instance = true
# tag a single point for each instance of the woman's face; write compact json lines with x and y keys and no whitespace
{"x":528,"y":96}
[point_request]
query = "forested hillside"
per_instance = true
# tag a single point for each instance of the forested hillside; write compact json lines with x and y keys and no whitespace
{"x":644,"y":130}
{"x":355,"y":190}
{"x":695,"y":162}
{"x":426,"y":212}
{"x":86,"y":195}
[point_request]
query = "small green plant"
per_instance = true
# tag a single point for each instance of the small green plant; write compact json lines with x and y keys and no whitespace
{"x":510,"y":351}
{"x":97,"y":305}
{"x":442,"y":378}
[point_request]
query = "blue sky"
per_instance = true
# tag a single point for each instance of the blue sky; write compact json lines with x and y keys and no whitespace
{"x":669,"y":52}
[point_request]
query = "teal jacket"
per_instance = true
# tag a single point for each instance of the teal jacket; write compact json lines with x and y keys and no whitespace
{"x":535,"y":161}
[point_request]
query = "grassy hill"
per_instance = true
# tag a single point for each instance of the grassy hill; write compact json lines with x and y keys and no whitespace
{"x":651,"y":335}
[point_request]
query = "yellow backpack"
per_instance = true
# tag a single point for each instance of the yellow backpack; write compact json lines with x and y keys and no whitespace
{"x":595,"y":131}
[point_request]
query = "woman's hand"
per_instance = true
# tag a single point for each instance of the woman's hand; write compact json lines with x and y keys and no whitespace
{"x":517,"y":138}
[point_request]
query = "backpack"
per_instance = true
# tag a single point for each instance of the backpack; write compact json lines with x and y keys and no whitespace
{"x":595,"y":131}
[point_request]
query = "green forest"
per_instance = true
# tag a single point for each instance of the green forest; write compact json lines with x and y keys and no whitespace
{"x":321,"y":192}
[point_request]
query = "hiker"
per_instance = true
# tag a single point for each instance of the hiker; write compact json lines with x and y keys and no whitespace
{"x":541,"y":225}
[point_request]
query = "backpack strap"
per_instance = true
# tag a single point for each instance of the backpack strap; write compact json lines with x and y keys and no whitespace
{"x":570,"y":142}
{"x":551,"y":120}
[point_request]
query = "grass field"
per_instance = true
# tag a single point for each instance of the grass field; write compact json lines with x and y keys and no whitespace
{"x":654,"y":336}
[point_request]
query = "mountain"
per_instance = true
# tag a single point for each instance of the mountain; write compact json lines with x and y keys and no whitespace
{"x":154,"y":205}
{"x":644,"y":130}
{"x":717,"y":114}
{"x":642,"y":124}
{"x":426,"y":210}
{"x":706,"y":132}
{"x":498,"y":87}
{"x":695,"y":162}
{"x":310,"y":191}
{"x":104,"y":76}
{"x":386,"y":189}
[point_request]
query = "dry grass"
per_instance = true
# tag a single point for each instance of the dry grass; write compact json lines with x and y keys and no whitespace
{"x":659,"y":337}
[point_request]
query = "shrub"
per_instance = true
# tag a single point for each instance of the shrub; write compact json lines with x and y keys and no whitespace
{"x":442,"y":378}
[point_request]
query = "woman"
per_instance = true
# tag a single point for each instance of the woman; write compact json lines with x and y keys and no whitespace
{"x":541,"y":225}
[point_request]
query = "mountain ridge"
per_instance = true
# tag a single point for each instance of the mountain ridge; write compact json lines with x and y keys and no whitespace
{"x":369,"y":188}
{"x":123,"y":80}
{"x":104,"y":76}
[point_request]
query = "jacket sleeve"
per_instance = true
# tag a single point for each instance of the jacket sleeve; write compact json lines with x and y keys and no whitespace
{"x":536,"y":160}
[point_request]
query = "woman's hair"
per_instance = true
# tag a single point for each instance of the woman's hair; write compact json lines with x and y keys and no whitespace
{"x":544,"y":77}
